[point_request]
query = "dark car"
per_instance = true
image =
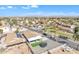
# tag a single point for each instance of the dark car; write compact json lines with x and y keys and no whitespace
{"x":45,"y":34}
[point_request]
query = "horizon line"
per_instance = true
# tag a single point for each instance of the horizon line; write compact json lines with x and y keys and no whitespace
{"x":44,"y":16}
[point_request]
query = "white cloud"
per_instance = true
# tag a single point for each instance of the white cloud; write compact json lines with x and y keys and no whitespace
{"x":34,"y":6}
{"x":25,"y":7}
{"x":2,"y":8}
{"x":53,"y":14}
{"x":9,"y":6}
{"x":29,"y":6}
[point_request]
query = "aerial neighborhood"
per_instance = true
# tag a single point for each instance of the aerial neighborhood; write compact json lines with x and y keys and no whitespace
{"x":39,"y":35}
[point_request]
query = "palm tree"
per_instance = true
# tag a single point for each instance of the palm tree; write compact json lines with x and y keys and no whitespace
{"x":76,"y":33}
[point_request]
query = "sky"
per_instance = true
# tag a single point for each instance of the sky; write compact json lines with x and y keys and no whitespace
{"x":39,"y":10}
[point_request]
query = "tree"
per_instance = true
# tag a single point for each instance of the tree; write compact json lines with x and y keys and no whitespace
{"x":17,"y":30}
{"x":14,"y":21}
{"x":0,"y":23}
{"x":1,"y":31}
{"x":76,"y":33}
{"x":2,"y":49}
{"x":43,"y":44}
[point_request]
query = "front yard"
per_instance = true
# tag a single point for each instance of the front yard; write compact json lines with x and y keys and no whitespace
{"x":36,"y":42}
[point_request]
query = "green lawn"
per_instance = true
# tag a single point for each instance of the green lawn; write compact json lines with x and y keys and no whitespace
{"x":36,"y":43}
